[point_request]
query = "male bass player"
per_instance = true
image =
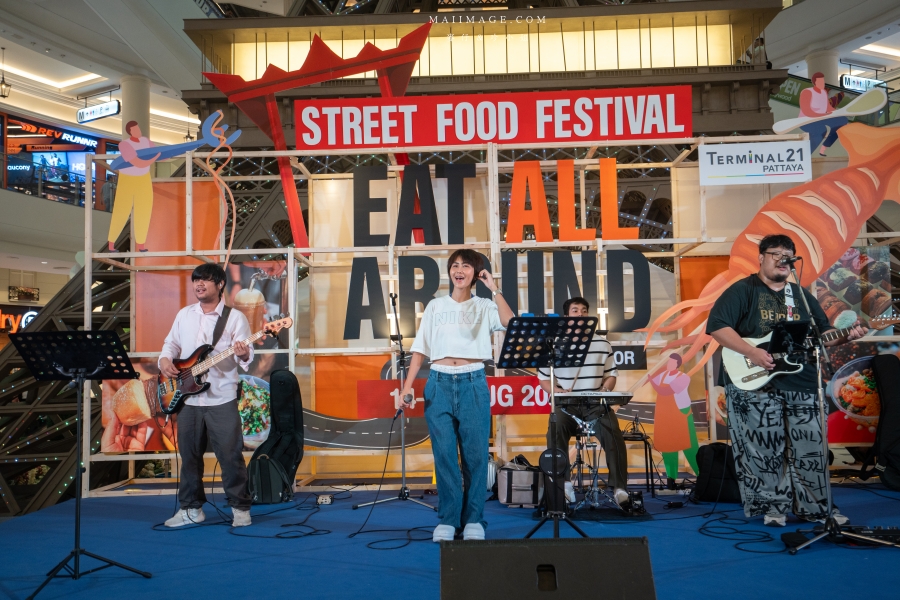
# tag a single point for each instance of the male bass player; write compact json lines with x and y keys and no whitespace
{"x":775,"y":431}
{"x":597,"y":374}
{"x":455,"y":333}
{"x":212,"y":414}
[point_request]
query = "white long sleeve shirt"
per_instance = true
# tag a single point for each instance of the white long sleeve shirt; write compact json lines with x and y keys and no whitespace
{"x":193,"y":328}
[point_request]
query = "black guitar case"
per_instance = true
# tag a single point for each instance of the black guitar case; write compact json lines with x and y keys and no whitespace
{"x":883,"y":458}
{"x":274,"y":464}
{"x":717,"y":480}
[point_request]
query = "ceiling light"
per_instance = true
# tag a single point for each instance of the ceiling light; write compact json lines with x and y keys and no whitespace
{"x":5,"y":88}
{"x":168,"y":115}
{"x":55,"y":84}
{"x":881,"y":50}
{"x":43,"y":262}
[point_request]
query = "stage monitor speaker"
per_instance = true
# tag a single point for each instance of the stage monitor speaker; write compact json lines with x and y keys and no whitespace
{"x":616,"y":568}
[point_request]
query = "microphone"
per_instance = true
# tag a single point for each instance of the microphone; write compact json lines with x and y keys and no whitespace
{"x":789,"y":260}
{"x":407,"y":400}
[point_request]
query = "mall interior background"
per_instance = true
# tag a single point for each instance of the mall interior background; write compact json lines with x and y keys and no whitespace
{"x":745,"y":60}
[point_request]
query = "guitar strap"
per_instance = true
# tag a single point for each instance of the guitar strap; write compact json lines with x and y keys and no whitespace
{"x":220,"y":325}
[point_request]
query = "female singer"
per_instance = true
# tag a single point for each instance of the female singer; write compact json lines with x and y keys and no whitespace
{"x":455,"y":333}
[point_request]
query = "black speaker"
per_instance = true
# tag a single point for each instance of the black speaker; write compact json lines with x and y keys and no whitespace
{"x":616,"y":568}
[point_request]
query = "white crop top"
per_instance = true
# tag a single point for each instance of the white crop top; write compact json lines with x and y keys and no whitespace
{"x":457,"y":329}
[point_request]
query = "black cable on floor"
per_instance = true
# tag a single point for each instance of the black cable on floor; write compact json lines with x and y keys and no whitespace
{"x":399,"y":542}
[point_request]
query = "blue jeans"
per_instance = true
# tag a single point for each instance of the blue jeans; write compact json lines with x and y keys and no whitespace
{"x":818,"y":130}
{"x":458,"y":413}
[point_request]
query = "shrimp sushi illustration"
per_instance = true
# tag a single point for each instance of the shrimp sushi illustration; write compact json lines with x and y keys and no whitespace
{"x":822,"y":216}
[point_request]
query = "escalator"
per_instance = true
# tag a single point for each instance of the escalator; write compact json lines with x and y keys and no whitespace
{"x":37,"y":419}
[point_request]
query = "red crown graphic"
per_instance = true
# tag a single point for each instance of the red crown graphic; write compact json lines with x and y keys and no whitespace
{"x":256,"y":99}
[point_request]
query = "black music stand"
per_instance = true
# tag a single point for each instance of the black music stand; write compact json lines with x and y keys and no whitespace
{"x":553,"y":342}
{"x":77,"y":356}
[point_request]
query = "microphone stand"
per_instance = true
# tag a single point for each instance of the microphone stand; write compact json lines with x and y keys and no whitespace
{"x":831,"y":527}
{"x":401,"y":370}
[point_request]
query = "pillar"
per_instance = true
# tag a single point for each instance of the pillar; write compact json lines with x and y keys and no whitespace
{"x":825,"y":62}
{"x":136,"y":102}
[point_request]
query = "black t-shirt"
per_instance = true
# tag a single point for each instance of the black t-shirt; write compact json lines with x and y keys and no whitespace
{"x":752,"y":308}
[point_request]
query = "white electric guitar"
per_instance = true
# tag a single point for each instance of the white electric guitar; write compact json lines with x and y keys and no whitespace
{"x":748,"y":377}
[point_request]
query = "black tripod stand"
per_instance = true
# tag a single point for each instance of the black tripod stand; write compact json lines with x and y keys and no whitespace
{"x":76,"y":356}
{"x":401,"y":370}
{"x":552,"y":342}
{"x":831,"y":528}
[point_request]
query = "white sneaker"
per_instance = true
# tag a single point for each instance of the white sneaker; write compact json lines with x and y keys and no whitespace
{"x":241,"y":517}
{"x":775,"y":520}
{"x":473,"y":531}
{"x":621,"y":496}
{"x":186,"y":516}
{"x":570,"y":494}
{"x":445,"y":533}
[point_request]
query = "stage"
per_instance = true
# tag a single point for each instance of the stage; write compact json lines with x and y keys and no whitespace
{"x":209,"y":562}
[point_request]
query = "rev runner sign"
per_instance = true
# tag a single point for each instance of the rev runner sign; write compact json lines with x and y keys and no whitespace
{"x":762,"y":162}
{"x":539,"y":118}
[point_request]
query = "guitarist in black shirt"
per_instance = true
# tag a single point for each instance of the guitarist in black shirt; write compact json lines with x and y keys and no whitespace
{"x":775,"y":431}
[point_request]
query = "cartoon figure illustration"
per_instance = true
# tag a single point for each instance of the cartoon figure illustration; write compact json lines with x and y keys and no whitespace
{"x":673,"y":422}
{"x":814,"y":102}
{"x":134,"y":187}
{"x":135,"y":190}
{"x":823,"y":217}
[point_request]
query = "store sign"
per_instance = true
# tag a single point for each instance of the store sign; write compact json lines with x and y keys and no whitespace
{"x":15,"y":318}
{"x":859,"y":84}
{"x":53,"y":147}
{"x":539,"y":118}
{"x":66,"y":136}
{"x":92,"y":113}
{"x":762,"y":162}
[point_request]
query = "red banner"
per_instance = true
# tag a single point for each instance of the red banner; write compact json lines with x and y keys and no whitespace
{"x":509,"y":396}
{"x":539,"y":118}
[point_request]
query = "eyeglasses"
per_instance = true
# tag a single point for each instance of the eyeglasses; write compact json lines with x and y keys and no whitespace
{"x":779,"y":255}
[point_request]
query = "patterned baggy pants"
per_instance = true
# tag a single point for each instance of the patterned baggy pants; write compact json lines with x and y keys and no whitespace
{"x":777,"y":441}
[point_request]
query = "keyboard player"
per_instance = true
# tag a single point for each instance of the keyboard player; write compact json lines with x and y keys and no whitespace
{"x":597,"y":374}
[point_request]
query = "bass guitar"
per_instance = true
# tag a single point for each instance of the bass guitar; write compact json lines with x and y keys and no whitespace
{"x":171,"y":391}
{"x":748,"y":377}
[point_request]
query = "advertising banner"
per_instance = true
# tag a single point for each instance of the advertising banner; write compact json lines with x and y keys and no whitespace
{"x":509,"y":396}
{"x":857,"y":287}
{"x":754,"y":163}
{"x":256,"y":289}
{"x":538,"y":118}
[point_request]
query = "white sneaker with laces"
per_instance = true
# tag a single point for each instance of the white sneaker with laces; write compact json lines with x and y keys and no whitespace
{"x":473,"y":531}
{"x":443,"y":533}
{"x":775,"y":520}
{"x":241,"y":517}
{"x":186,"y":516}
{"x":621,"y":496}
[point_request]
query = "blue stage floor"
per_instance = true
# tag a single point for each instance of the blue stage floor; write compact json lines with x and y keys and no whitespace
{"x":208,"y":562}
